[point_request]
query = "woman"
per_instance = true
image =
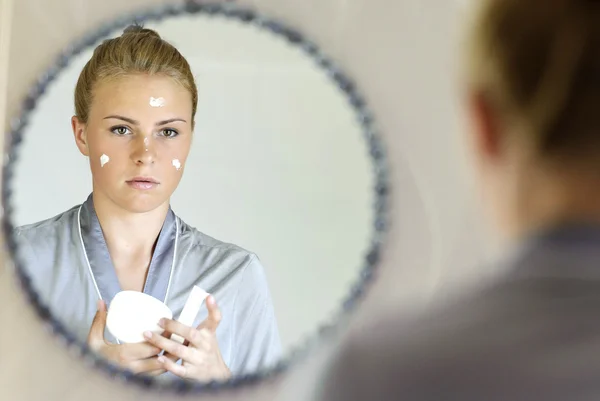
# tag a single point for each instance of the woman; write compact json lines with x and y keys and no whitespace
{"x":135,"y":103}
{"x":533,"y":94}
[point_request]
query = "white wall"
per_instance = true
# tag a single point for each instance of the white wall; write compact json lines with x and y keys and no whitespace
{"x":278,"y":164}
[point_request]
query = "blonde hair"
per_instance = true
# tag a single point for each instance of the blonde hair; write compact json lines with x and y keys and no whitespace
{"x":539,"y":61}
{"x":137,"y":51}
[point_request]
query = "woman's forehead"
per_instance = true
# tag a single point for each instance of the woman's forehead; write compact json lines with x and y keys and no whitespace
{"x":140,"y":92}
{"x":133,"y":84}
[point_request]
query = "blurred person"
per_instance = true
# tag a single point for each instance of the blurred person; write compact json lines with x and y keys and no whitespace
{"x":532,"y":95}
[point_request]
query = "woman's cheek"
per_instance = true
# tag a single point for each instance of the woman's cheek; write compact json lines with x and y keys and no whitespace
{"x":104,"y":158}
{"x":103,"y":162}
{"x":177,"y":164}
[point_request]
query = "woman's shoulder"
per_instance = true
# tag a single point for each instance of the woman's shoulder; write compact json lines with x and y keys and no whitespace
{"x":198,"y":239}
{"x":46,"y":228}
{"x":226,"y":258}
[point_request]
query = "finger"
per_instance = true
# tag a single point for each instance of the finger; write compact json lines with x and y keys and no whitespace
{"x":175,"y":327}
{"x":176,"y":369}
{"x":203,"y":339}
{"x":145,"y":366}
{"x":96,"y":334}
{"x":172,"y":347}
{"x":173,"y":358}
{"x":140,"y":351}
{"x":214,"y":314}
{"x":154,"y":373}
{"x":168,"y":334}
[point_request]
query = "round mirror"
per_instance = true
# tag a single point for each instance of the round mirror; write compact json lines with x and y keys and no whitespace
{"x":232,"y":225}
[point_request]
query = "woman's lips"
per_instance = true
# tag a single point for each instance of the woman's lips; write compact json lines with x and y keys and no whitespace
{"x":143,"y":183}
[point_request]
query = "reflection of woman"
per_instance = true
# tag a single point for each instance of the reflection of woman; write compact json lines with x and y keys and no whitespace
{"x":135,"y":103}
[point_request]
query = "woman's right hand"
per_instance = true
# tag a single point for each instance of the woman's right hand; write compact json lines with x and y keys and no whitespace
{"x":141,"y":358}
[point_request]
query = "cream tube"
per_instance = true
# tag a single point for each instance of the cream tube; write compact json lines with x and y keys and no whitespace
{"x":190,"y":310}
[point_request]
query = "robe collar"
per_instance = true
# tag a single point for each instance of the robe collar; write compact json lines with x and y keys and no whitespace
{"x":100,"y":264}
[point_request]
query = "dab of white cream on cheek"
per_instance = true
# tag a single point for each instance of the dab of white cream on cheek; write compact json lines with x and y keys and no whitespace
{"x":104,"y":159}
{"x":157,"y":101}
{"x":176,"y":164}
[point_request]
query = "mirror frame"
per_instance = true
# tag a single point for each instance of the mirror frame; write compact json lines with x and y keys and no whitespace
{"x":381,"y":190}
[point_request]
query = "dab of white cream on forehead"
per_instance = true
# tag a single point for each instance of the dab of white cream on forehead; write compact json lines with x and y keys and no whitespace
{"x":103,"y":160}
{"x":157,"y":101}
{"x":176,"y":164}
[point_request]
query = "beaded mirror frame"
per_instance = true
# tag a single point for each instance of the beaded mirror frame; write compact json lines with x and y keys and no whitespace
{"x":365,"y":118}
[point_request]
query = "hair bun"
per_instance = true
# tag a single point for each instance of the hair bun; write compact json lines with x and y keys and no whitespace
{"x":137,"y":29}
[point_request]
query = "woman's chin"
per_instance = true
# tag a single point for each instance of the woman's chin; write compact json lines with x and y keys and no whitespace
{"x":143,"y":203}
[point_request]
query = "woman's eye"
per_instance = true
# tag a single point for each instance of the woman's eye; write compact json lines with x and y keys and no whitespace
{"x":120,"y":130}
{"x":169,"y":133}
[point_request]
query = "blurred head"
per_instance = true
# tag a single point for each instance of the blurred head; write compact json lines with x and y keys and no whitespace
{"x":135,"y":102}
{"x":533,"y":71}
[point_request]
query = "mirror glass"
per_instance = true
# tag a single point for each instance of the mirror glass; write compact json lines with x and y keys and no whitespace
{"x":273,"y":216}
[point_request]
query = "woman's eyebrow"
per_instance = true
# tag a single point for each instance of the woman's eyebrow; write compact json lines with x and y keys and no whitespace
{"x":129,"y":120}
{"x":134,"y":122}
{"x":171,"y":120}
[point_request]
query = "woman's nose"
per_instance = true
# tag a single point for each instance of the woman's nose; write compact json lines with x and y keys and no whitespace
{"x":144,"y":151}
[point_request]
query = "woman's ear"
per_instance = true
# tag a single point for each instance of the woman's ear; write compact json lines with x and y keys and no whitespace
{"x":79,"y":133}
{"x":486,"y":135}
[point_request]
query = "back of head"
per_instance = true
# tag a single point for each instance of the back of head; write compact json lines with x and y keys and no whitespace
{"x":538,"y":62}
{"x":137,"y":51}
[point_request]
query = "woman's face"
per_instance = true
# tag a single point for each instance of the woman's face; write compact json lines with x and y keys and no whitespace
{"x":138,"y":138}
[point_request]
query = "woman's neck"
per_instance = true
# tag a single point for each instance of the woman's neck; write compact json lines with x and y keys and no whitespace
{"x":561,"y":196}
{"x":128,"y":234}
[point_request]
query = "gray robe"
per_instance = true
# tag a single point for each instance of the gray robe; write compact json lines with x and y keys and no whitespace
{"x":532,"y":335}
{"x":70,"y":267}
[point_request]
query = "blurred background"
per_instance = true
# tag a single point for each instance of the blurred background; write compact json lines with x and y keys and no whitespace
{"x":404,"y":57}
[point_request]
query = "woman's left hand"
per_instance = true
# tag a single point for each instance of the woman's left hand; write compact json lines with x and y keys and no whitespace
{"x":200,"y":354}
